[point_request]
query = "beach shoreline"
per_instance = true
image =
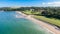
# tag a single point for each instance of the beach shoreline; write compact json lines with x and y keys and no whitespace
{"x":41,"y":23}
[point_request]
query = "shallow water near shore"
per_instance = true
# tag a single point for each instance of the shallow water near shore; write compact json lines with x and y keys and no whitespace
{"x":11,"y":24}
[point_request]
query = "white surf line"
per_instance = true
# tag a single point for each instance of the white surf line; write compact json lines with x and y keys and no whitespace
{"x":37,"y":21}
{"x":19,"y":16}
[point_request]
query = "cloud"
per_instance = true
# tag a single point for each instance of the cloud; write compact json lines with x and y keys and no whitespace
{"x":51,"y":4}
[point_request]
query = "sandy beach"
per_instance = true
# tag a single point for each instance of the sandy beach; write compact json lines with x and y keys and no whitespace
{"x":41,"y":23}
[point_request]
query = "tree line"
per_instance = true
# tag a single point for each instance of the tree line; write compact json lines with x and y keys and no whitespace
{"x":45,"y":11}
{"x":51,"y":12}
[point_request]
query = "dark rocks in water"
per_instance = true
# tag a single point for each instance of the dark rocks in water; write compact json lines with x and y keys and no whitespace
{"x":57,"y":27}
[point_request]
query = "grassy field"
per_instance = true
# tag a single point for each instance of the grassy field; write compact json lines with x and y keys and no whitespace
{"x":49,"y":20}
{"x":30,"y":12}
{"x":43,"y":18}
{"x":27,"y":12}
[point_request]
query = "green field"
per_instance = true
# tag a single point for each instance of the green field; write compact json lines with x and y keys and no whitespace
{"x":49,"y":20}
{"x":30,"y":12}
{"x":27,"y":12}
{"x":43,"y":18}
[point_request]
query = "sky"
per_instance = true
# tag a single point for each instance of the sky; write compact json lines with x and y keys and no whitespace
{"x":29,"y":3}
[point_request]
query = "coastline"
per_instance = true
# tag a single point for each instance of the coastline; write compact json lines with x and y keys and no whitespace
{"x":41,"y":23}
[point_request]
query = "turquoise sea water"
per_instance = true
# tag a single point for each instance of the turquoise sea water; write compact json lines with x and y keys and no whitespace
{"x":9,"y":24}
